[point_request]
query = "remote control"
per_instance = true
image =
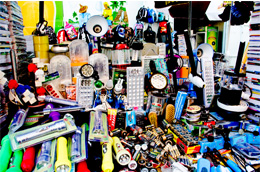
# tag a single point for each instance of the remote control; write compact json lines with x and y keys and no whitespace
{"x":208,"y":77}
{"x":85,"y":92}
{"x":135,"y":86}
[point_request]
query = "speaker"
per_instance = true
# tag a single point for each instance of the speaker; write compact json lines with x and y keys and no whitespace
{"x":203,"y":51}
{"x":97,"y":26}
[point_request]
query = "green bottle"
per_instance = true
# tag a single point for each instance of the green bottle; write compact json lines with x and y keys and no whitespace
{"x":5,"y":153}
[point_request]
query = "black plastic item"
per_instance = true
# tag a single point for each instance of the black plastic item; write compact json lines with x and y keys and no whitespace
{"x":137,"y":46}
{"x":239,"y":57}
{"x":230,"y":97}
{"x":149,"y":35}
{"x":190,"y":53}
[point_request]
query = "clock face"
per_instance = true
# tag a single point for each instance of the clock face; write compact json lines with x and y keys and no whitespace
{"x":158,"y":81}
{"x":87,"y":70}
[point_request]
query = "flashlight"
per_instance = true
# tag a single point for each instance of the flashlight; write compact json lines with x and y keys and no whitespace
{"x":57,"y":126}
{"x":28,"y":159}
{"x":62,"y":164}
{"x":107,"y":161}
{"x":5,"y":153}
{"x":123,"y":157}
{"x":18,"y":157}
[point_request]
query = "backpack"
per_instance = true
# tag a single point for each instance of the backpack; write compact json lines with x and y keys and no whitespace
{"x":152,"y":16}
{"x":142,"y":14}
{"x":160,"y":16}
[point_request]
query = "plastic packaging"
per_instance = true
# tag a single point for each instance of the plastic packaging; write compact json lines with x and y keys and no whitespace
{"x":61,"y":64}
{"x":18,"y":120}
{"x":45,"y":161}
{"x":39,"y":134}
{"x":78,"y":55}
{"x":100,"y":63}
{"x":98,"y":130}
{"x":78,"y":148}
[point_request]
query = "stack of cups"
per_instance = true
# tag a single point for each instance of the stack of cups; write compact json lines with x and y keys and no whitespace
{"x":41,"y":48}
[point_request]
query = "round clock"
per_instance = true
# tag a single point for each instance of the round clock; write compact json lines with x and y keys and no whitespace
{"x":158,"y":81}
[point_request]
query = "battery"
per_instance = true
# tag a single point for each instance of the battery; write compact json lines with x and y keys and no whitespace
{"x":167,"y":137}
{"x":115,"y":132}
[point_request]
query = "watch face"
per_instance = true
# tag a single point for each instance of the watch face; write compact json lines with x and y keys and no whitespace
{"x":87,"y":70}
{"x":158,"y":81}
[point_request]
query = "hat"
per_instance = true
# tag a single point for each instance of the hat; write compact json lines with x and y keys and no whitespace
{"x":83,"y":9}
{"x":106,"y":3}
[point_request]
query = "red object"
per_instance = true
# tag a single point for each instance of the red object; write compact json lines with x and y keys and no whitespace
{"x":28,"y":159}
{"x":209,"y":124}
{"x":111,"y":118}
{"x":32,"y":67}
{"x":41,"y":91}
{"x":61,"y":36}
{"x":163,"y":27}
{"x":121,"y":46}
{"x":83,"y":167}
{"x":12,"y":84}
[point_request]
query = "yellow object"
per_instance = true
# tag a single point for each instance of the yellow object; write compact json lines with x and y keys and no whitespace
{"x":169,"y":115}
{"x":83,"y":8}
{"x":41,"y":39}
{"x":107,"y":12}
{"x":245,"y":57}
{"x":30,"y":12}
{"x":41,"y":48}
{"x":62,"y":154}
{"x":123,"y":157}
{"x":107,"y":161}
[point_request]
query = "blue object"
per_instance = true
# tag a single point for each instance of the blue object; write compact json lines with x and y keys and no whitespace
{"x":217,"y":143}
{"x":203,"y":165}
{"x":110,"y":97}
{"x":97,"y":99}
{"x":252,"y":139}
{"x":119,"y":103}
{"x":130,"y":119}
{"x":233,"y":166}
{"x":20,"y":90}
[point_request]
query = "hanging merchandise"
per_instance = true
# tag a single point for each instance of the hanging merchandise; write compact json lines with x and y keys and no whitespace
{"x":138,"y":29}
{"x":70,"y":31}
{"x":162,"y":32}
{"x":149,"y":35}
{"x":61,"y":36}
{"x":83,"y":16}
{"x":107,"y":13}
{"x":160,"y":16}
{"x":142,"y":14}
{"x":119,"y":35}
